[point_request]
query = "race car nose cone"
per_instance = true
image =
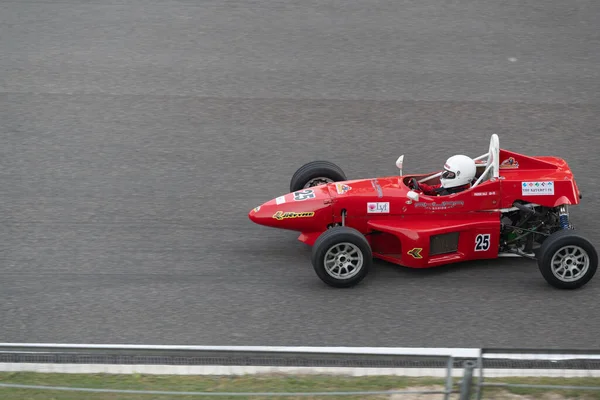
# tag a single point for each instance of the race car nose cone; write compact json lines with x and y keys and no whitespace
{"x":253,"y":214}
{"x":263,"y":215}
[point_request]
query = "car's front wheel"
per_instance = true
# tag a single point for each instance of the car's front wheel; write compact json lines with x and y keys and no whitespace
{"x":316,"y":173}
{"x":341,"y":257}
{"x":567,"y":260}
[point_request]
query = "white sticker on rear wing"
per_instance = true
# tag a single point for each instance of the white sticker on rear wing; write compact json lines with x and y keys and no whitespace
{"x":537,"y":188}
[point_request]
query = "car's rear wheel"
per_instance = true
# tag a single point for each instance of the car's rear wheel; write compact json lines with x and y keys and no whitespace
{"x":316,"y":173}
{"x":342,"y":257}
{"x":567,"y":260}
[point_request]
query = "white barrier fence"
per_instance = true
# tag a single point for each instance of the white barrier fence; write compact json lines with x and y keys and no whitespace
{"x":229,"y":360}
{"x":234,"y":360}
{"x":473,"y":365}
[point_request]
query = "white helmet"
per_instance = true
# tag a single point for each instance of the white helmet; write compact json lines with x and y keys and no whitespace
{"x":458,"y":171}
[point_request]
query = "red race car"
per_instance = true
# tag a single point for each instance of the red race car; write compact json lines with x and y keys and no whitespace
{"x":515,"y":206}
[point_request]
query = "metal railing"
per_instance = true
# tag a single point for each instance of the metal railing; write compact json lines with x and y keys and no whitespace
{"x":466,"y":373}
{"x":503,"y":364}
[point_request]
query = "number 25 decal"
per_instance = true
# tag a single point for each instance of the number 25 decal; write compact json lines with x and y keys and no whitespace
{"x":482,"y":242}
{"x":304,"y":194}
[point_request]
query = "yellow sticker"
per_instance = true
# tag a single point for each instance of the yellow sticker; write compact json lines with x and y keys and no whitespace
{"x":416,"y":252}
{"x":279,"y":215}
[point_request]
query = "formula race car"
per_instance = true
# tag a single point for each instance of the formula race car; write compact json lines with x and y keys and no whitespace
{"x":517,"y":206}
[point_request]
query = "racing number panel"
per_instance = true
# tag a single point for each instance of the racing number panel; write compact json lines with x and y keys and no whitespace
{"x":305,"y":194}
{"x":482,"y":242}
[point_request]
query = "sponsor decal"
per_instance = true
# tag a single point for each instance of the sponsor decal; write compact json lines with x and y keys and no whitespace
{"x":484,"y":193}
{"x":280,"y":200}
{"x":377,"y":187}
{"x":482,"y":242}
{"x":304,"y":195}
{"x":378,"y":208}
{"x":279,"y":215}
{"x":342,"y":188}
{"x":537,"y":188}
{"x":444,"y":205}
{"x":509,"y":163}
{"x":415,"y":253}
{"x":257,"y":209}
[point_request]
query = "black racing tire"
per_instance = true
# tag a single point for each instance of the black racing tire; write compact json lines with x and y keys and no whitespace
{"x":352,"y":240}
{"x":316,"y":169}
{"x":556,"y":245}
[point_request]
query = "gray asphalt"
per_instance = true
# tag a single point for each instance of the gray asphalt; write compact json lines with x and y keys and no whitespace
{"x":136,"y":135}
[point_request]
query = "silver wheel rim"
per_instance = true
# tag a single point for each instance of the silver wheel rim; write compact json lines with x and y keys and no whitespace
{"x":317,"y":181}
{"x":570,"y":263}
{"x":343,"y":260}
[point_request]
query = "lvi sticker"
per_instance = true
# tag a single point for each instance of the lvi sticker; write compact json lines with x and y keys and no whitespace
{"x":378,"y":208}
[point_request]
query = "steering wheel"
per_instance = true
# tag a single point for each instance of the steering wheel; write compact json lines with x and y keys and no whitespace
{"x":414,"y":184}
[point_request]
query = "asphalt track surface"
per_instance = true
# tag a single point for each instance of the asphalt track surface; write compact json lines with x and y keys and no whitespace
{"x":135,"y":136}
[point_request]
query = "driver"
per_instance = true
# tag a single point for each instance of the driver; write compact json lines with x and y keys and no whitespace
{"x":459,"y":172}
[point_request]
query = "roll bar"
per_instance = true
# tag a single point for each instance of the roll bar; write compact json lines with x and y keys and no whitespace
{"x":481,"y":157}
{"x":492,"y":162}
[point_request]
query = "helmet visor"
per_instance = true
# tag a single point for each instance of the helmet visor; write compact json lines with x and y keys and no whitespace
{"x":448,"y":174}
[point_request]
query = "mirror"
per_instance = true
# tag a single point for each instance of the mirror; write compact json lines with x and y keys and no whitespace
{"x":414,"y":196}
{"x":399,"y":162}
